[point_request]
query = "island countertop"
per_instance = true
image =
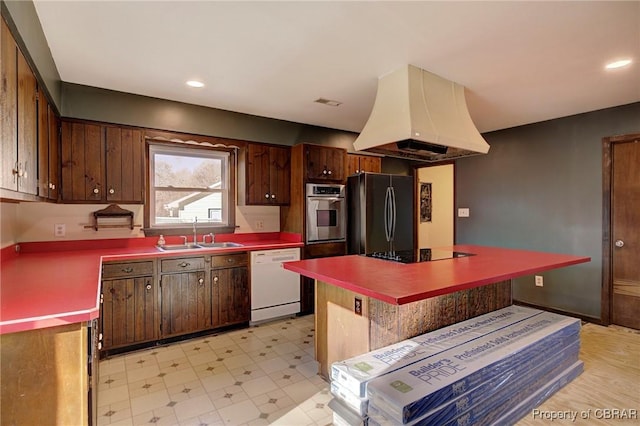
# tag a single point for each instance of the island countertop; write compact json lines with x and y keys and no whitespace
{"x":398,"y":283}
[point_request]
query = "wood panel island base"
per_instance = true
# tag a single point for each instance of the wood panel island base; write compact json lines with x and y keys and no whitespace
{"x":342,"y":333}
{"x":363,"y":303}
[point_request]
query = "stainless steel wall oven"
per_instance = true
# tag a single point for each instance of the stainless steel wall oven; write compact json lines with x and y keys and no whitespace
{"x":326,"y":213}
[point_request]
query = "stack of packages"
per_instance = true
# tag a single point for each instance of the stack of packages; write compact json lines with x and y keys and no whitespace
{"x":460,"y":374}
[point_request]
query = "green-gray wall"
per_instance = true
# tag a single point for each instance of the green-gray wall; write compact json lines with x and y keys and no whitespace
{"x":540,"y":188}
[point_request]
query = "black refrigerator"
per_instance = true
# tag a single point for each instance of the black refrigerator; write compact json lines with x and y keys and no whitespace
{"x":380,"y":214}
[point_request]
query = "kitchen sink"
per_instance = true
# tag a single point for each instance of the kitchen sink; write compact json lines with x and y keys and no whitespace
{"x":220,"y":245}
{"x":169,"y":247}
{"x":191,"y":246}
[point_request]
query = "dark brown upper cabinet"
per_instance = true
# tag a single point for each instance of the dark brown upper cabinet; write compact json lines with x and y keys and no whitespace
{"x":323,"y":163}
{"x":363,"y":163}
{"x":264,"y":175}
{"x":48,"y":150}
{"x":19,"y":121}
{"x":102,"y":163}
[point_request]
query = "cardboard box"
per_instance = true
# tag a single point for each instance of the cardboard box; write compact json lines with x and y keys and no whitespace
{"x":412,"y":391}
{"x":354,"y":373}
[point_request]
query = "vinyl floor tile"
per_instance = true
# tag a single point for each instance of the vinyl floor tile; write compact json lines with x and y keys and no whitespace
{"x":261,"y":375}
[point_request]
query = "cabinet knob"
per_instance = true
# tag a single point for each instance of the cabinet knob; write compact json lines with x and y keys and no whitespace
{"x":53,"y":186}
{"x":127,"y":270}
{"x":273,"y":196}
{"x":20,"y":172}
{"x":266,"y":195}
{"x":329,"y":172}
{"x":619,"y":243}
{"x":112,"y":191}
{"x":201,"y":280}
{"x":229,"y":259}
{"x":148,"y":286}
{"x":184,"y":264}
{"x":324,"y":172}
{"x":99,"y":345}
{"x":215,"y":279}
{"x":96,"y":190}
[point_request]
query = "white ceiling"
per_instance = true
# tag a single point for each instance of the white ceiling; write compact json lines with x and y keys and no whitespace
{"x":521,"y":62}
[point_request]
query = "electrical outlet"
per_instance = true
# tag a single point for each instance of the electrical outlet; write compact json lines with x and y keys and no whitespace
{"x":463,"y":212}
{"x":59,"y":230}
{"x":539,"y":281}
{"x":357,"y":306}
{"x":259,"y":224}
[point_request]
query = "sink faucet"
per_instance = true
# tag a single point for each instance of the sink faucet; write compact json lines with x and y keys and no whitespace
{"x":210,"y":234}
{"x":195,"y":237}
{"x":184,"y":239}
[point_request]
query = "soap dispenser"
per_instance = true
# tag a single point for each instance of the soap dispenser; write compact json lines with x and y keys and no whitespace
{"x":161,"y":241}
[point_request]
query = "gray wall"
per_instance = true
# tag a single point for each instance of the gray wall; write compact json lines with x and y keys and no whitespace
{"x":540,"y":188}
{"x":23,"y":20}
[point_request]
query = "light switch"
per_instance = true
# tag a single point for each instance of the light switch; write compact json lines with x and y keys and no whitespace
{"x":463,"y":212}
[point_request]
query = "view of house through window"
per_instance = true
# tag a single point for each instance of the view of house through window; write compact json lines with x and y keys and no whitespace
{"x":188,"y":183}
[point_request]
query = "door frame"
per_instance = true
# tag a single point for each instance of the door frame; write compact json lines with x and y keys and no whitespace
{"x":607,"y":247}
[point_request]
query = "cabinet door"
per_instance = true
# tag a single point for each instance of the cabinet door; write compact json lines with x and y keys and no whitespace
{"x":258,"y":185}
{"x":336,"y":163}
{"x":353,"y":164}
{"x":186,"y":303}
{"x":370,"y":164}
{"x":82,"y":162}
{"x":315,"y":162}
{"x":43,"y":146}
{"x":27,"y":129}
{"x":231,"y":303}
{"x":280,"y":175}
{"x":128,"y":311}
{"x":325,"y":163}
{"x":124,"y":165}
{"x":54,"y":154}
{"x":9,"y":108}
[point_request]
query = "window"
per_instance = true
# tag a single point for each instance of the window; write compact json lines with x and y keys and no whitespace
{"x":188,"y":184}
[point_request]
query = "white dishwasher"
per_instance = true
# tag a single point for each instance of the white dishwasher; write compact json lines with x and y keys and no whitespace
{"x":275,"y":292}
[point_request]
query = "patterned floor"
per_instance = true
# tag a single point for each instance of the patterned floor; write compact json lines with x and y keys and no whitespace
{"x":255,"y":376}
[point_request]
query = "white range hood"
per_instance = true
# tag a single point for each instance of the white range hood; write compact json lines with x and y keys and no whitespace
{"x":421,"y":116}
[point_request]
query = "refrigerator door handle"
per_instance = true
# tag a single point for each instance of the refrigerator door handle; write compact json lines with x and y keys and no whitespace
{"x":393,"y":212}
{"x":387,"y":214}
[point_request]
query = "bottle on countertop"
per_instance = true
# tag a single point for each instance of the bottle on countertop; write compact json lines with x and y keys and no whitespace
{"x":161,"y":240}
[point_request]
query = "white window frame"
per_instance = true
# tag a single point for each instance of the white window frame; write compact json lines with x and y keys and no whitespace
{"x":196,"y":152}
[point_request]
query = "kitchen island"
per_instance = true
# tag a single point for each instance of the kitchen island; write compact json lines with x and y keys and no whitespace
{"x":364,"y":303}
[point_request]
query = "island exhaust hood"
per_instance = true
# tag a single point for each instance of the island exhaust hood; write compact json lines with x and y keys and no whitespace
{"x":420,"y":116}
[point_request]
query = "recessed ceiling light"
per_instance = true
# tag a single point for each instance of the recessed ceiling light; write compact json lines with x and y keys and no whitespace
{"x":195,"y":83}
{"x":328,"y":102}
{"x":618,"y":64}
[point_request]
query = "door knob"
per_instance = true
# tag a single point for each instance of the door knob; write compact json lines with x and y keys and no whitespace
{"x":619,"y":243}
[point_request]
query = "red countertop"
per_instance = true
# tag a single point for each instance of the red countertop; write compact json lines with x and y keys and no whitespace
{"x":398,"y":283}
{"x":55,"y":283}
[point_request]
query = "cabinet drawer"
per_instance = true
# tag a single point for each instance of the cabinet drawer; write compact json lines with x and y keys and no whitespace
{"x":182,"y":264}
{"x":229,"y":260}
{"x":116,"y":270}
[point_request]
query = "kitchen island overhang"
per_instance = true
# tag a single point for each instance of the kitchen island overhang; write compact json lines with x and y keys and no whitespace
{"x":364,"y":303}
{"x":398,"y":283}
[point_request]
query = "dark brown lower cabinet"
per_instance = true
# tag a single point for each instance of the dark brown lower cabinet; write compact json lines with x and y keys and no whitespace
{"x":186,"y":303}
{"x":194,"y":294}
{"x":230,"y":290}
{"x":128,"y":312}
{"x":129,"y":304}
